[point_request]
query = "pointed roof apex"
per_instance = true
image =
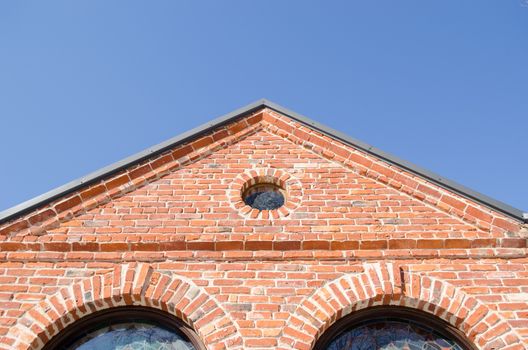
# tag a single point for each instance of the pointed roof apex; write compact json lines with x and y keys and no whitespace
{"x":47,"y":197}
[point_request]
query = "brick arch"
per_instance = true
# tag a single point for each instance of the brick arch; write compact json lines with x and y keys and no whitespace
{"x":388,"y":284}
{"x":129,"y":284}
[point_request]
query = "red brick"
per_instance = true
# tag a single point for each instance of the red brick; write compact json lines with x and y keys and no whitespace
{"x":41,"y":216}
{"x":92,"y":191}
{"x":308,"y":245}
{"x":139,"y":171}
{"x":455,"y":203}
{"x":161,"y":161}
{"x":230,"y":245}
{"x":200,"y":245}
{"x":402,"y":244}
{"x":184,"y":242}
{"x":182,"y":151}
{"x":286,"y":245}
{"x":258,"y":245}
{"x":430,"y":243}
{"x":13,"y":227}
{"x":373,"y":244}
{"x":68,"y":203}
{"x":204,"y":141}
{"x":346,"y":245}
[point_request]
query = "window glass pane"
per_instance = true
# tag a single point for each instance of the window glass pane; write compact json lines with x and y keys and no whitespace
{"x":132,"y":336}
{"x":392,"y":335}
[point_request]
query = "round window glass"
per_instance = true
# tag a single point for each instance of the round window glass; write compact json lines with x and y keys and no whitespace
{"x":132,"y":336}
{"x":126,"y":328}
{"x":392,"y":328}
{"x":264,"y":197}
{"x":392,"y":334}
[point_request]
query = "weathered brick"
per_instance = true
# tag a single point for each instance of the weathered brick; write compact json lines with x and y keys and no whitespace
{"x":355,"y":232}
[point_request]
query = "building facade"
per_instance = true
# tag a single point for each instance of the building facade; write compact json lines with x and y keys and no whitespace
{"x":263,"y":230}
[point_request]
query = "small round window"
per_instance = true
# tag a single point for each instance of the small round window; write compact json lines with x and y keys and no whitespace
{"x":265,"y":193}
{"x":265,"y":196}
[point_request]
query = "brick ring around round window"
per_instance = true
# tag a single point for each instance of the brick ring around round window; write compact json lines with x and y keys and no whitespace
{"x":265,"y":193}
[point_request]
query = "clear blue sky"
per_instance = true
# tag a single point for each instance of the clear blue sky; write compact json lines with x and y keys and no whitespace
{"x":442,"y":84}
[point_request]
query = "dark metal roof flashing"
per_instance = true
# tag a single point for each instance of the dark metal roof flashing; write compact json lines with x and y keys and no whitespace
{"x":97,"y":175}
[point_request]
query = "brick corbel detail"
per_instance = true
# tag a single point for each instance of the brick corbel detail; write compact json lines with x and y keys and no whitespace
{"x":129,"y":284}
{"x":388,"y":284}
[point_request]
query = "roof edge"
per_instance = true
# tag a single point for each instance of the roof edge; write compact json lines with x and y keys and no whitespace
{"x":113,"y":168}
{"x":411,"y":167}
{"x":97,"y":175}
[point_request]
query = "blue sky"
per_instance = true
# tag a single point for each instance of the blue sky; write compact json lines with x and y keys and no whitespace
{"x":439,"y":83}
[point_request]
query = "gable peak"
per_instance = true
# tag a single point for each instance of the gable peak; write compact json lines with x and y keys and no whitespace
{"x":246,"y":112}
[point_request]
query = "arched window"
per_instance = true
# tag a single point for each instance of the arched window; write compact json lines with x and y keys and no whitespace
{"x":392,"y":328}
{"x":126,"y":328}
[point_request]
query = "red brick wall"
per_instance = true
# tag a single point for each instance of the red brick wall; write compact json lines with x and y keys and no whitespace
{"x":172,"y":233}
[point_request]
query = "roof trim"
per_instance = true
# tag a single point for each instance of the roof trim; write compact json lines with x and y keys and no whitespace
{"x":97,"y":175}
{"x":411,"y":167}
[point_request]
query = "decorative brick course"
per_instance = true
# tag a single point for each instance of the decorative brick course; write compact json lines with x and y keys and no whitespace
{"x":172,"y":233}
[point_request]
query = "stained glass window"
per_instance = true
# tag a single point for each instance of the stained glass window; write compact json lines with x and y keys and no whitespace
{"x":264,"y":197}
{"x":392,"y":334}
{"x":132,"y":336}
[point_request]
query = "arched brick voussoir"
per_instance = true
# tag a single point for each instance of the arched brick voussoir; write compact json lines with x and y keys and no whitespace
{"x":389,"y":284}
{"x":128,"y":284}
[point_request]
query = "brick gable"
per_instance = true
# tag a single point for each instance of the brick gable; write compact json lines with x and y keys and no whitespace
{"x":259,"y":275}
{"x":283,"y":128}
